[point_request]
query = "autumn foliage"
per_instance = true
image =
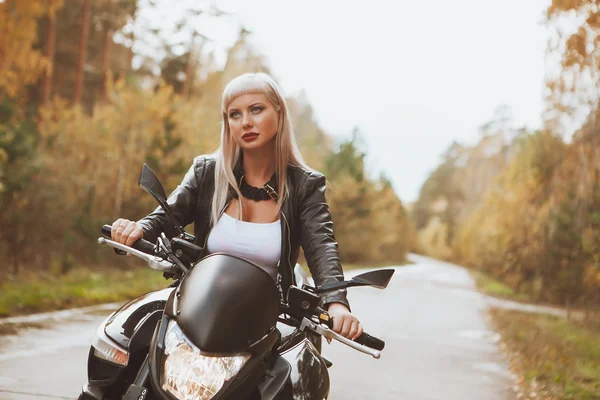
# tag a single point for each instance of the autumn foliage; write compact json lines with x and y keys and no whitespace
{"x":71,"y":146}
{"x":527,"y":208}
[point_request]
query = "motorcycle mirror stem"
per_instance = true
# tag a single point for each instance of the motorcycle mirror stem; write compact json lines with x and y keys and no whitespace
{"x":378,"y":279}
{"x":150,"y":183}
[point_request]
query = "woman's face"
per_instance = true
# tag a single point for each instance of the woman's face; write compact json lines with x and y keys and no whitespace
{"x":252,"y":120}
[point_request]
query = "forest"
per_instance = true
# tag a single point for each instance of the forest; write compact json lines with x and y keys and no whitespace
{"x":524,"y":205}
{"x":91,"y":90}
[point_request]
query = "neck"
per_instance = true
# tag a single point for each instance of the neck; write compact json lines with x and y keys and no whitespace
{"x":258,"y":167}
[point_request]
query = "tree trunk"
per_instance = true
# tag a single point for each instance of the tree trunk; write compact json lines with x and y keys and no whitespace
{"x":120,"y":185}
{"x":131,"y":53}
{"x":108,"y":39}
{"x":189,"y":68}
{"x":50,"y":50}
{"x":85,"y":25}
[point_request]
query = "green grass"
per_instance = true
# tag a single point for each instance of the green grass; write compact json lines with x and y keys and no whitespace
{"x":80,"y":287}
{"x":495,"y":288}
{"x":562,"y":356}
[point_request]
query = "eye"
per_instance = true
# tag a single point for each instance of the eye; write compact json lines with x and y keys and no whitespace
{"x":257,"y":109}
{"x":234,"y":114}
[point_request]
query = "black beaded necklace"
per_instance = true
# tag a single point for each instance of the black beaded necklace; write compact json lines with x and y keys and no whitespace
{"x":267,"y":192}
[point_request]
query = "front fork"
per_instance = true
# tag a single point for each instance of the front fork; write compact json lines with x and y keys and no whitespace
{"x":138,"y":390}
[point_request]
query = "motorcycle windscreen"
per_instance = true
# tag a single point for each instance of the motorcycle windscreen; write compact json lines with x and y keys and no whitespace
{"x":226,"y":303}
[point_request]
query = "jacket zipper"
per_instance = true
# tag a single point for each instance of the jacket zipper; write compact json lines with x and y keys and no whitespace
{"x":289,"y":244}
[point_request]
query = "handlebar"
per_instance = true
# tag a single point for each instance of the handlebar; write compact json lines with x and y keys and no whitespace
{"x":327,"y":333}
{"x":140,"y":244}
{"x":141,"y":248}
{"x":370,"y":341}
{"x":145,"y":250}
{"x":365,"y":339}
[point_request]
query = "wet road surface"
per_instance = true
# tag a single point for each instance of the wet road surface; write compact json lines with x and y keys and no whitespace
{"x":438,"y":344}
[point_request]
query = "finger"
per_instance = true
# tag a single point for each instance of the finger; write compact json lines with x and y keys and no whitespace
{"x":136,"y":234}
{"x":337,"y":324}
{"x":113,"y":229}
{"x":126,"y":234}
{"x":359,"y":331}
{"x":119,"y":233}
{"x":121,"y":228}
{"x":346,"y":327}
{"x":353,"y":329}
{"x":328,"y":340}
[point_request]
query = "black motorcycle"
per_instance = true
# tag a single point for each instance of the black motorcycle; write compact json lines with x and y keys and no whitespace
{"x":221,"y":330}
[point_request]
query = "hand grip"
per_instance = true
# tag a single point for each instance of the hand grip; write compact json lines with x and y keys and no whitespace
{"x":140,"y":244}
{"x":370,"y":341}
{"x":365,"y":339}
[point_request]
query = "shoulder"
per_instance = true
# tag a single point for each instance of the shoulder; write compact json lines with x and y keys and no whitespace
{"x":202,"y":169}
{"x":204,"y":162}
{"x":306,"y":178}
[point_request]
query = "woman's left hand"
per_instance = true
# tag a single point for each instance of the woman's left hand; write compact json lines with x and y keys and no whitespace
{"x":344,"y":322}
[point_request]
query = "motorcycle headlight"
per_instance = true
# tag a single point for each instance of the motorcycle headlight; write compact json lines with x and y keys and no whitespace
{"x":189,"y":374}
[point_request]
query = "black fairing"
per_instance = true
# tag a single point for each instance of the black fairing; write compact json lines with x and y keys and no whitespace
{"x":134,"y":316}
{"x":273,"y":386}
{"x":226,"y":303}
{"x":309,"y":378}
{"x":290,"y":337}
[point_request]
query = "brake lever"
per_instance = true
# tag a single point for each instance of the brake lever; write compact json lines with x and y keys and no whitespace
{"x":164,"y":241}
{"x":329,"y":334}
{"x":154,"y":262}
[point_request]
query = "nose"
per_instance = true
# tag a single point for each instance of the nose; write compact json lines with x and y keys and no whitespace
{"x":247,"y":121}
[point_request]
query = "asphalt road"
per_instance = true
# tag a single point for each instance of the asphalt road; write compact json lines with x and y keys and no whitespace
{"x":438,"y":344}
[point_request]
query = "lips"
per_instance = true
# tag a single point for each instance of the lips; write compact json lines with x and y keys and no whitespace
{"x":249,"y":136}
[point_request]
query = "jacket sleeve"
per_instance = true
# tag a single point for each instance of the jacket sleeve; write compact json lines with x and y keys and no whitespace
{"x":318,"y":241}
{"x":182,"y":201}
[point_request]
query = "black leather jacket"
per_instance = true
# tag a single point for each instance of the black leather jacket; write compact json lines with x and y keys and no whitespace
{"x":305,"y":221}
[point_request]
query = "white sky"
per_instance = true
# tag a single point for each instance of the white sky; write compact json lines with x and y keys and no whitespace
{"x":412,"y":75}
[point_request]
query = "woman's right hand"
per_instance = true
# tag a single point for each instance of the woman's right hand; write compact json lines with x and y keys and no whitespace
{"x":126,"y":232}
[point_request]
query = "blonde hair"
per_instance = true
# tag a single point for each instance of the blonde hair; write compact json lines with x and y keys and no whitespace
{"x":228,"y":154}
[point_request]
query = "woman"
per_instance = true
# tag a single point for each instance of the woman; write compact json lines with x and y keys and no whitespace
{"x":256,"y":198}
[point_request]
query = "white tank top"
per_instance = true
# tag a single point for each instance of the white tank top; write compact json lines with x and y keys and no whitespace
{"x":259,"y":243}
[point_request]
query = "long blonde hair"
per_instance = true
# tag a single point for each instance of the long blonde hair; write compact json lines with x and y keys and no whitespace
{"x":228,"y":154}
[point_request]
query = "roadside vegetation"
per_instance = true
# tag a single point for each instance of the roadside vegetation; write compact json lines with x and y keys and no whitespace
{"x":89,"y":286}
{"x":496,"y":288}
{"x":555,"y":357}
{"x":77,"y":288}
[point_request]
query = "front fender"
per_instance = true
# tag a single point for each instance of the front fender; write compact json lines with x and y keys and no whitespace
{"x":132,"y":325}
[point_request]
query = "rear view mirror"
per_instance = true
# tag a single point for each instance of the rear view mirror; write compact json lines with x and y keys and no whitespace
{"x":150,"y":183}
{"x":378,"y":279}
